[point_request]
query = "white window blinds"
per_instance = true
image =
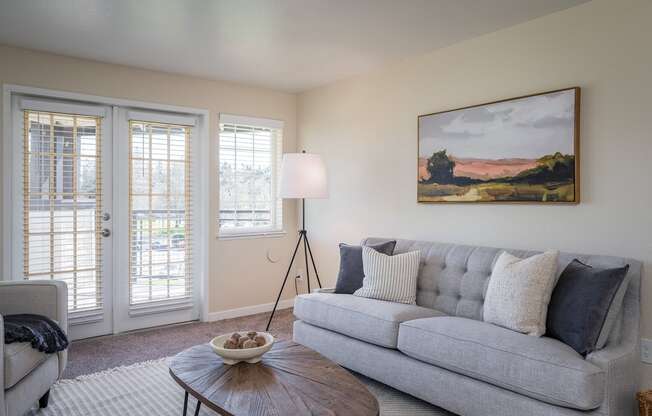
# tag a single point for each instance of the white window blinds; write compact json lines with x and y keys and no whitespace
{"x":160,"y":212}
{"x":250,"y":151}
{"x":62,"y":203}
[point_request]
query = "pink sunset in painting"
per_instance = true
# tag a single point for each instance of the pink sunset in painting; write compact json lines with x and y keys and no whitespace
{"x":483,"y":168}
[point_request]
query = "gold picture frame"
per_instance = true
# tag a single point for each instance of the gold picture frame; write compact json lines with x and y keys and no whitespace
{"x":520,"y":150}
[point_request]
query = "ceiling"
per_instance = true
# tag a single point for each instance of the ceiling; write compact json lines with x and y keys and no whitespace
{"x":290,"y":45}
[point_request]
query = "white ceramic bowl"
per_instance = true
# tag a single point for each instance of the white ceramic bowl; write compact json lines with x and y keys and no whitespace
{"x":234,"y":356}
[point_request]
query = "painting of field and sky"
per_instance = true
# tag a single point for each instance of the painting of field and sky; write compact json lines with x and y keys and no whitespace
{"x":518,"y":150}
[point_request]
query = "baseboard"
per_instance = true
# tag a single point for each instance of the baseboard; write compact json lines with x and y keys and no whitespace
{"x":248,"y":310}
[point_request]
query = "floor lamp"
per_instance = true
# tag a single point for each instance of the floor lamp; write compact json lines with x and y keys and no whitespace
{"x":303,"y":175}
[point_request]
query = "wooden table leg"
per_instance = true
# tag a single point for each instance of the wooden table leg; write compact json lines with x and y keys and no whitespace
{"x":197,"y":408}
{"x":185,"y":404}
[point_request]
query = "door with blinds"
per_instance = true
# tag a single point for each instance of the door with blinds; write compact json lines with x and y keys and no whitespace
{"x":62,"y":205}
{"x":104,"y":201}
{"x":155,"y":194}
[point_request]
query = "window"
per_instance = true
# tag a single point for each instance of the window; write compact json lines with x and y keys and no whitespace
{"x":63,"y":204}
{"x":160,"y":206}
{"x":250,"y":151}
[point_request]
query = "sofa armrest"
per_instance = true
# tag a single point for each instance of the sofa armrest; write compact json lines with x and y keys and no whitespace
{"x":620,"y":364}
{"x":610,"y":355}
{"x":41,"y":297}
{"x":324,"y":290}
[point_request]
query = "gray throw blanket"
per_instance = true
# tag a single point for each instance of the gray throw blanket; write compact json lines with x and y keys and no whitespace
{"x":43,"y":333}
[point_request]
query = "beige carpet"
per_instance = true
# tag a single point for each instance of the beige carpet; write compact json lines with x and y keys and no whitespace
{"x":92,"y":355}
{"x":146,"y":389}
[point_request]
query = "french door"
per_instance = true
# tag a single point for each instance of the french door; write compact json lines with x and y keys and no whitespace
{"x":104,"y":203}
{"x":155,"y":195}
{"x":62,"y":205}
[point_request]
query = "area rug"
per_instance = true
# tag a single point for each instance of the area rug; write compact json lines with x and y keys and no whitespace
{"x":146,"y":389}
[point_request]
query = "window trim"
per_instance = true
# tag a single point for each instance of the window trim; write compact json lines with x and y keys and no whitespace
{"x":277,"y":229}
{"x":251,"y":234}
{"x":265,"y":123}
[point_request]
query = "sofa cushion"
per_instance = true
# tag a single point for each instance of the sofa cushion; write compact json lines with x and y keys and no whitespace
{"x":542,"y":368}
{"x":20,"y":359}
{"x":370,"y":320}
{"x":454,"y":278}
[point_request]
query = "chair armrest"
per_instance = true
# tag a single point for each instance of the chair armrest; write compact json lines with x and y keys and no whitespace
{"x":324,"y":290}
{"x":41,"y":297}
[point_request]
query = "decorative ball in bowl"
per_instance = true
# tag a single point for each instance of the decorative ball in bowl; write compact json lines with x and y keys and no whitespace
{"x":248,"y":346}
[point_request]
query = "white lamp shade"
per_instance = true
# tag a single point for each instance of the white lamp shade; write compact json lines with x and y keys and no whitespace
{"x":303,"y":175}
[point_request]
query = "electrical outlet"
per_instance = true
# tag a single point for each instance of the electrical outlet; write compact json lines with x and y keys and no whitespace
{"x":298,"y":283}
{"x":646,"y":350}
{"x":299,"y":274}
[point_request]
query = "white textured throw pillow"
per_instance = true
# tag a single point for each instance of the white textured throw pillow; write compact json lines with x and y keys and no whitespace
{"x":519,"y":292}
{"x":392,"y":278}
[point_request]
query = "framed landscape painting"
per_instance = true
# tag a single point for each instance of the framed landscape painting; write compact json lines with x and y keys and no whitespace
{"x":520,"y":150}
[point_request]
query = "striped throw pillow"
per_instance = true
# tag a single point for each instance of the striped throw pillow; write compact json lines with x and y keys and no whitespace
{"x":391,"y":278}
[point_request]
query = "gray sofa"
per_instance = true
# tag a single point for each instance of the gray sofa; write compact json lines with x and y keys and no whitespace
{"x":26,"y":374}
{"x":442,"y":352}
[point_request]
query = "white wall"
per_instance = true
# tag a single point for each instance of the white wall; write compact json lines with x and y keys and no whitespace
{"x":240,"y":274}
{"x":366,"y":128}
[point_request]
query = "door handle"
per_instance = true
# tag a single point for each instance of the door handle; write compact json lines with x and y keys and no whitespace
{"x":106,"y":216}
{"x":106,"y":232}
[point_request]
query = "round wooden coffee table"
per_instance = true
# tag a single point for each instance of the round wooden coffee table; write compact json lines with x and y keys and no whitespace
{"x":290,"y":380}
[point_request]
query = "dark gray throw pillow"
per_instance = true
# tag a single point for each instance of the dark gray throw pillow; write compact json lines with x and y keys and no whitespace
{"x":580,"y":304}
{"x":351,"y":273}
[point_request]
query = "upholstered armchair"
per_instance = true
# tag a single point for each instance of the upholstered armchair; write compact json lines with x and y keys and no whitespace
{"x":27,"y":374}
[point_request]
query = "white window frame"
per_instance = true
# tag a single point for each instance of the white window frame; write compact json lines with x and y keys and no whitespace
{"x":277,"y":229}
{"x":10,"y":244}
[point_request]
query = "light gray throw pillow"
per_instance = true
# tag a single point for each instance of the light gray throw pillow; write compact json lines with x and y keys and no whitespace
{"x":391,"y":278}
{"x":519,"y":292}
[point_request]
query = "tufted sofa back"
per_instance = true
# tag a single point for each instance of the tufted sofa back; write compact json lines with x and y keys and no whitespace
{"x":454,"y":278}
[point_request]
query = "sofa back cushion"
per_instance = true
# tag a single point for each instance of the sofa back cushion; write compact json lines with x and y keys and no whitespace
{"x":453,"y":278}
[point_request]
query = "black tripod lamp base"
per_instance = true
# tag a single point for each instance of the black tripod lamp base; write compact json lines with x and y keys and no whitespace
{"x":303,"y":236}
